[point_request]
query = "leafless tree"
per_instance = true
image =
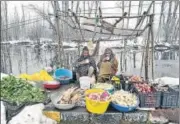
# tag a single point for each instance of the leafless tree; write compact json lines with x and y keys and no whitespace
{"x":16,"y":30}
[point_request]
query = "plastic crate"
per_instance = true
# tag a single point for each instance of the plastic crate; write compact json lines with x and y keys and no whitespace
{"x":170,"y":99}
{"x":149,"y":100}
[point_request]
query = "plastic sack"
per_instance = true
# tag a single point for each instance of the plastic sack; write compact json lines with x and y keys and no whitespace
{"x":3,"y":113}
{"x":167,"y":81}
{"x":12,"y":109}
{"x":32,"y":115}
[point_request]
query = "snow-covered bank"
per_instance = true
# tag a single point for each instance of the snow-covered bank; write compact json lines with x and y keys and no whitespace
{"x":139,"y":42}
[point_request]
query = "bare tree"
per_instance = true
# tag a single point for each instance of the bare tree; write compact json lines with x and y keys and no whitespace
{"x":23,"y":27}
{"x":6,"y":19}
{"x":16,"y":30}
{"x":44,"y":15}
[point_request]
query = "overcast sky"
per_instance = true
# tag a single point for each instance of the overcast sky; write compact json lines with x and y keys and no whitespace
{"x":105,"y":4}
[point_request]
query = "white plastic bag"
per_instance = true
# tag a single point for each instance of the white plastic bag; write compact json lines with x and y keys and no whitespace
{"x":32,"y":115}
{"x":167,"y":81}
{"x":3,"y":113}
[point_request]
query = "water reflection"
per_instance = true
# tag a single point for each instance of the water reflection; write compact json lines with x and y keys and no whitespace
{"x":167,"y":55}
{"x":29,"y":60}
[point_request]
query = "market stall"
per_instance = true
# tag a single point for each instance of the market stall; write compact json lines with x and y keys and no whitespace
{"x":60,"y":94}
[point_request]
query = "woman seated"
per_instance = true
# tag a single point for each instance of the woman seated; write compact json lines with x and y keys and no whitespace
{"x":108,"y":66}
{"x":85,"y":65}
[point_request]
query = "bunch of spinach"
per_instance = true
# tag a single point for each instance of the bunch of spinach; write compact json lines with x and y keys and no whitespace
{"x":20,"y":91}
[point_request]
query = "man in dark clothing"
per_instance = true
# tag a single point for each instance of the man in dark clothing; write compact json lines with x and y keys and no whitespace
{"x":85,"y":65}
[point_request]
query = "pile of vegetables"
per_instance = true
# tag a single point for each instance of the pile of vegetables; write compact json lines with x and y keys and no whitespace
{"x":103,"y":86}
{"x":143,"y":87}
{"x":19,"y":91}
{"x":135,"y":79}
{"x":71,"y":96}
{"x":124,"y":98}
{"x":41,"y":76}
{"x":102,"y":96}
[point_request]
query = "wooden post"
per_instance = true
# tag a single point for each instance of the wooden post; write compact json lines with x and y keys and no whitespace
{"x":134,"y":59}
{"x":58,"y":36}
{"x":152,"y":44}
{"x":125,"y":54}
{"x":0,"y":24}
{"x":121,"y":61}
{"x":142,"y":61}
{"x":129,"y":11}
{"x":147,"y":56}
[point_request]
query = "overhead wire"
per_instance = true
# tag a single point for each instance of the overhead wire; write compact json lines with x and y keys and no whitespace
{"x":24,"y":23}
{"x":21,"y":25}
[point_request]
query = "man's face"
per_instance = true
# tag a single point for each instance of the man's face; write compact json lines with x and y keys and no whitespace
{"x":85,"y":53}
{"x":108,"y":53}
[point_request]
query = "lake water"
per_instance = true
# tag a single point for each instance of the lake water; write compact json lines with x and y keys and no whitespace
{"x":30,"y":59}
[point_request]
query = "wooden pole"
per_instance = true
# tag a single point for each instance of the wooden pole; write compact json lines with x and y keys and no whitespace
{"x":152,"y":44}
{"x":0,"y":23}
{"x":121,"y":61}
{"x":58,"y":36}
{"x":134,"y":59}
{"x":129,"y":11}
{"x":147,"y":56}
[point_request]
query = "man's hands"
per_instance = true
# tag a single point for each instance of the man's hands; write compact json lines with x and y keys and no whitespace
{"x":84,"y":62}
{"x":106,"y":59}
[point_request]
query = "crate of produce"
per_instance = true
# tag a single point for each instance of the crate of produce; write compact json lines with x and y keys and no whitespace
{"x":170,"y":98}
{"x":149,"y":97}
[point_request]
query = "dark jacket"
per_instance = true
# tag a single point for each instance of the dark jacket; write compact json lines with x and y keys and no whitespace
{"x":83,"y":68}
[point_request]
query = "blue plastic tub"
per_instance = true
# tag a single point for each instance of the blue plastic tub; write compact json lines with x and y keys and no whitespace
{"x":124,"y":108}
{"x":59,"y":73}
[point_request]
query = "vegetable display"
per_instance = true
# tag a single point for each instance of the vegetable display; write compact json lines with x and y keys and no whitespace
{"x":124,"y":98}
{"x":103,"y":96}
{"x":41,"y":76}
{"x":19,"y":91}
{"x":71,"y":96}
{"x":103,"y":86}
{"x":144,"y":88}
{"x":135,"y":79}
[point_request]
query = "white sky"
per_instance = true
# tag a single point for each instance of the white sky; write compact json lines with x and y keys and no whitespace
{"x":105,"y":4}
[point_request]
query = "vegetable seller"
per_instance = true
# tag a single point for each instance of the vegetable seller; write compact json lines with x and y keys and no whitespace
{"x":108,"y":66}
{"x":85,"y":65}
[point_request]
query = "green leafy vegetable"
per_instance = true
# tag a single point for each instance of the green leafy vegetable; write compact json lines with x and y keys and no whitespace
{"x":20,"y":91}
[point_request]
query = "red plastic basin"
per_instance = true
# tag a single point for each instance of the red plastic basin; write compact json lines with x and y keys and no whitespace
{"x":51,"y":85}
